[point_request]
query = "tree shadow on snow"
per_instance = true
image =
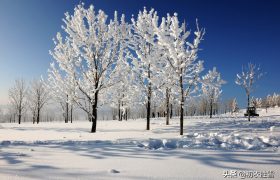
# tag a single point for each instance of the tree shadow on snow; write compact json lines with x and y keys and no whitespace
{"x":100,"y":150}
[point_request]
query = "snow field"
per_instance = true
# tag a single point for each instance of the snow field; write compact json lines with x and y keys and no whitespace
{"x":125,"y":150}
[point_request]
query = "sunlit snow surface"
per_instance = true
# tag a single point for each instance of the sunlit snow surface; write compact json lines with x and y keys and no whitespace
{"x":125,"y":150}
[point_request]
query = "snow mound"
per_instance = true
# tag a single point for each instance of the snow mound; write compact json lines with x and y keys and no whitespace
{"x":272,"y":128}
{"x":5,"y":143}
{"x":213,"y":141}
{"x":210,"y":140}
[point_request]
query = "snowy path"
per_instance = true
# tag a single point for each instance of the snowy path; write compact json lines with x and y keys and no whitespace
{"x":210,"y":147}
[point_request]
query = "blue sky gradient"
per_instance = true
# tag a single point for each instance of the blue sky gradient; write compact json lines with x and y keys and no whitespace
{"x":237,"y":32}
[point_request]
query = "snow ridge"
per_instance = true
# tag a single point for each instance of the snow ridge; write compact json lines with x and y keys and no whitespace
{"x":214,"y":141}
{"x":223,"y":141}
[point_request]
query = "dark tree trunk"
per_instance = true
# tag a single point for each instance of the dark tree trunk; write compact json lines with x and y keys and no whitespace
{"x":181,"y":105}
{"x":167,"y":106}
{"x":94,"y":119}
{"x":122,"y":114}
{"x":71,"y":114}
{"x":67,"y":111}
{"x":171,"y":111}
{"x":38,"y":115}
{"x":34,"y":117}
{"x":148,"y":112}
{"x":149,"y":100}
{"x":120,"y":111}
{"x":248,"y":103}
{"x":19,"y":118}
{"x":94,"y":113}
{"x":19,"y":114}
{"x":211,"y":107}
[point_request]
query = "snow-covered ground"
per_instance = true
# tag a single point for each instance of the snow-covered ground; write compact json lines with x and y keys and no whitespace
{"x":125,"y":150}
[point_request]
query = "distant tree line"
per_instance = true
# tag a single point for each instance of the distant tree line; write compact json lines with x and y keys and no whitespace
{"x":28,"y":100}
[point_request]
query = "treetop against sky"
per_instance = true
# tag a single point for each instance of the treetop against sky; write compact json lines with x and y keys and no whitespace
{"x":237,"y":32}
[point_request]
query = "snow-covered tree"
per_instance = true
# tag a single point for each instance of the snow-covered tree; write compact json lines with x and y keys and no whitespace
{"x":144,"y":44}
{"x":192,"y":107}
{"x":166,"y":79}
{"x":181,"y":56}
{"x":247,"y":80}
{"x":17,"y":96}
{"x":61,"y":88}
{"x":265,"y":103}
{"x":278,"y":100}
{"x":211,"y":87}
{"x":274,"y":99}
{"x":203,"y":105}
{"x":269,"y":100}
{"x":87,"y":55}
{"x":124,"y":93}
{"x":38,"y":96}
{"x":234,"y":106}
{"x":256,"y":102}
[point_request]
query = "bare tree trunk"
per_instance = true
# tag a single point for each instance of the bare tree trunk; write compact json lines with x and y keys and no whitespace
{"x":71,"y":114}
{"x":171,"y":111}
{"x":94,"y":113}
{"x":211,"y":107}
{"x":122,"y":114}
{"x":120,"y":111}
{"x":167,"y":106}
{"x":19,"y":118}
{"x":93,"y":119}
{"x":248,"y":106}
{"x":38,"y":115}
{"x":181,"y":106}
{"x":149,"y":100}
{"x":34,"y":116}
{"x":148,"y":111}
{"x":67,"y":111}
{"x":19,"y":115}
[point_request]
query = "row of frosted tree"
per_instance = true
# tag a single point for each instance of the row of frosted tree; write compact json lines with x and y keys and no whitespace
{"x":135,"y":67}
{"x":99,"y":61}
{"x":27,"y":97}
{"x":34,"y":100}
{"x":266,"y":102}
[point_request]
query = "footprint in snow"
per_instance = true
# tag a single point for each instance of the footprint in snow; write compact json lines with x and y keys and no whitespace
{"x":21,"y":154}
{"x":114,"y":171}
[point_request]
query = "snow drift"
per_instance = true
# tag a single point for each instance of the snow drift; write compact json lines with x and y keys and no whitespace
{"x":191,"y":140}
{"x":213,"y":141}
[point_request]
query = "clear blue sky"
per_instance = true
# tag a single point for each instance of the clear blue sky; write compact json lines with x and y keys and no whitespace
{"x":237,"y":32}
